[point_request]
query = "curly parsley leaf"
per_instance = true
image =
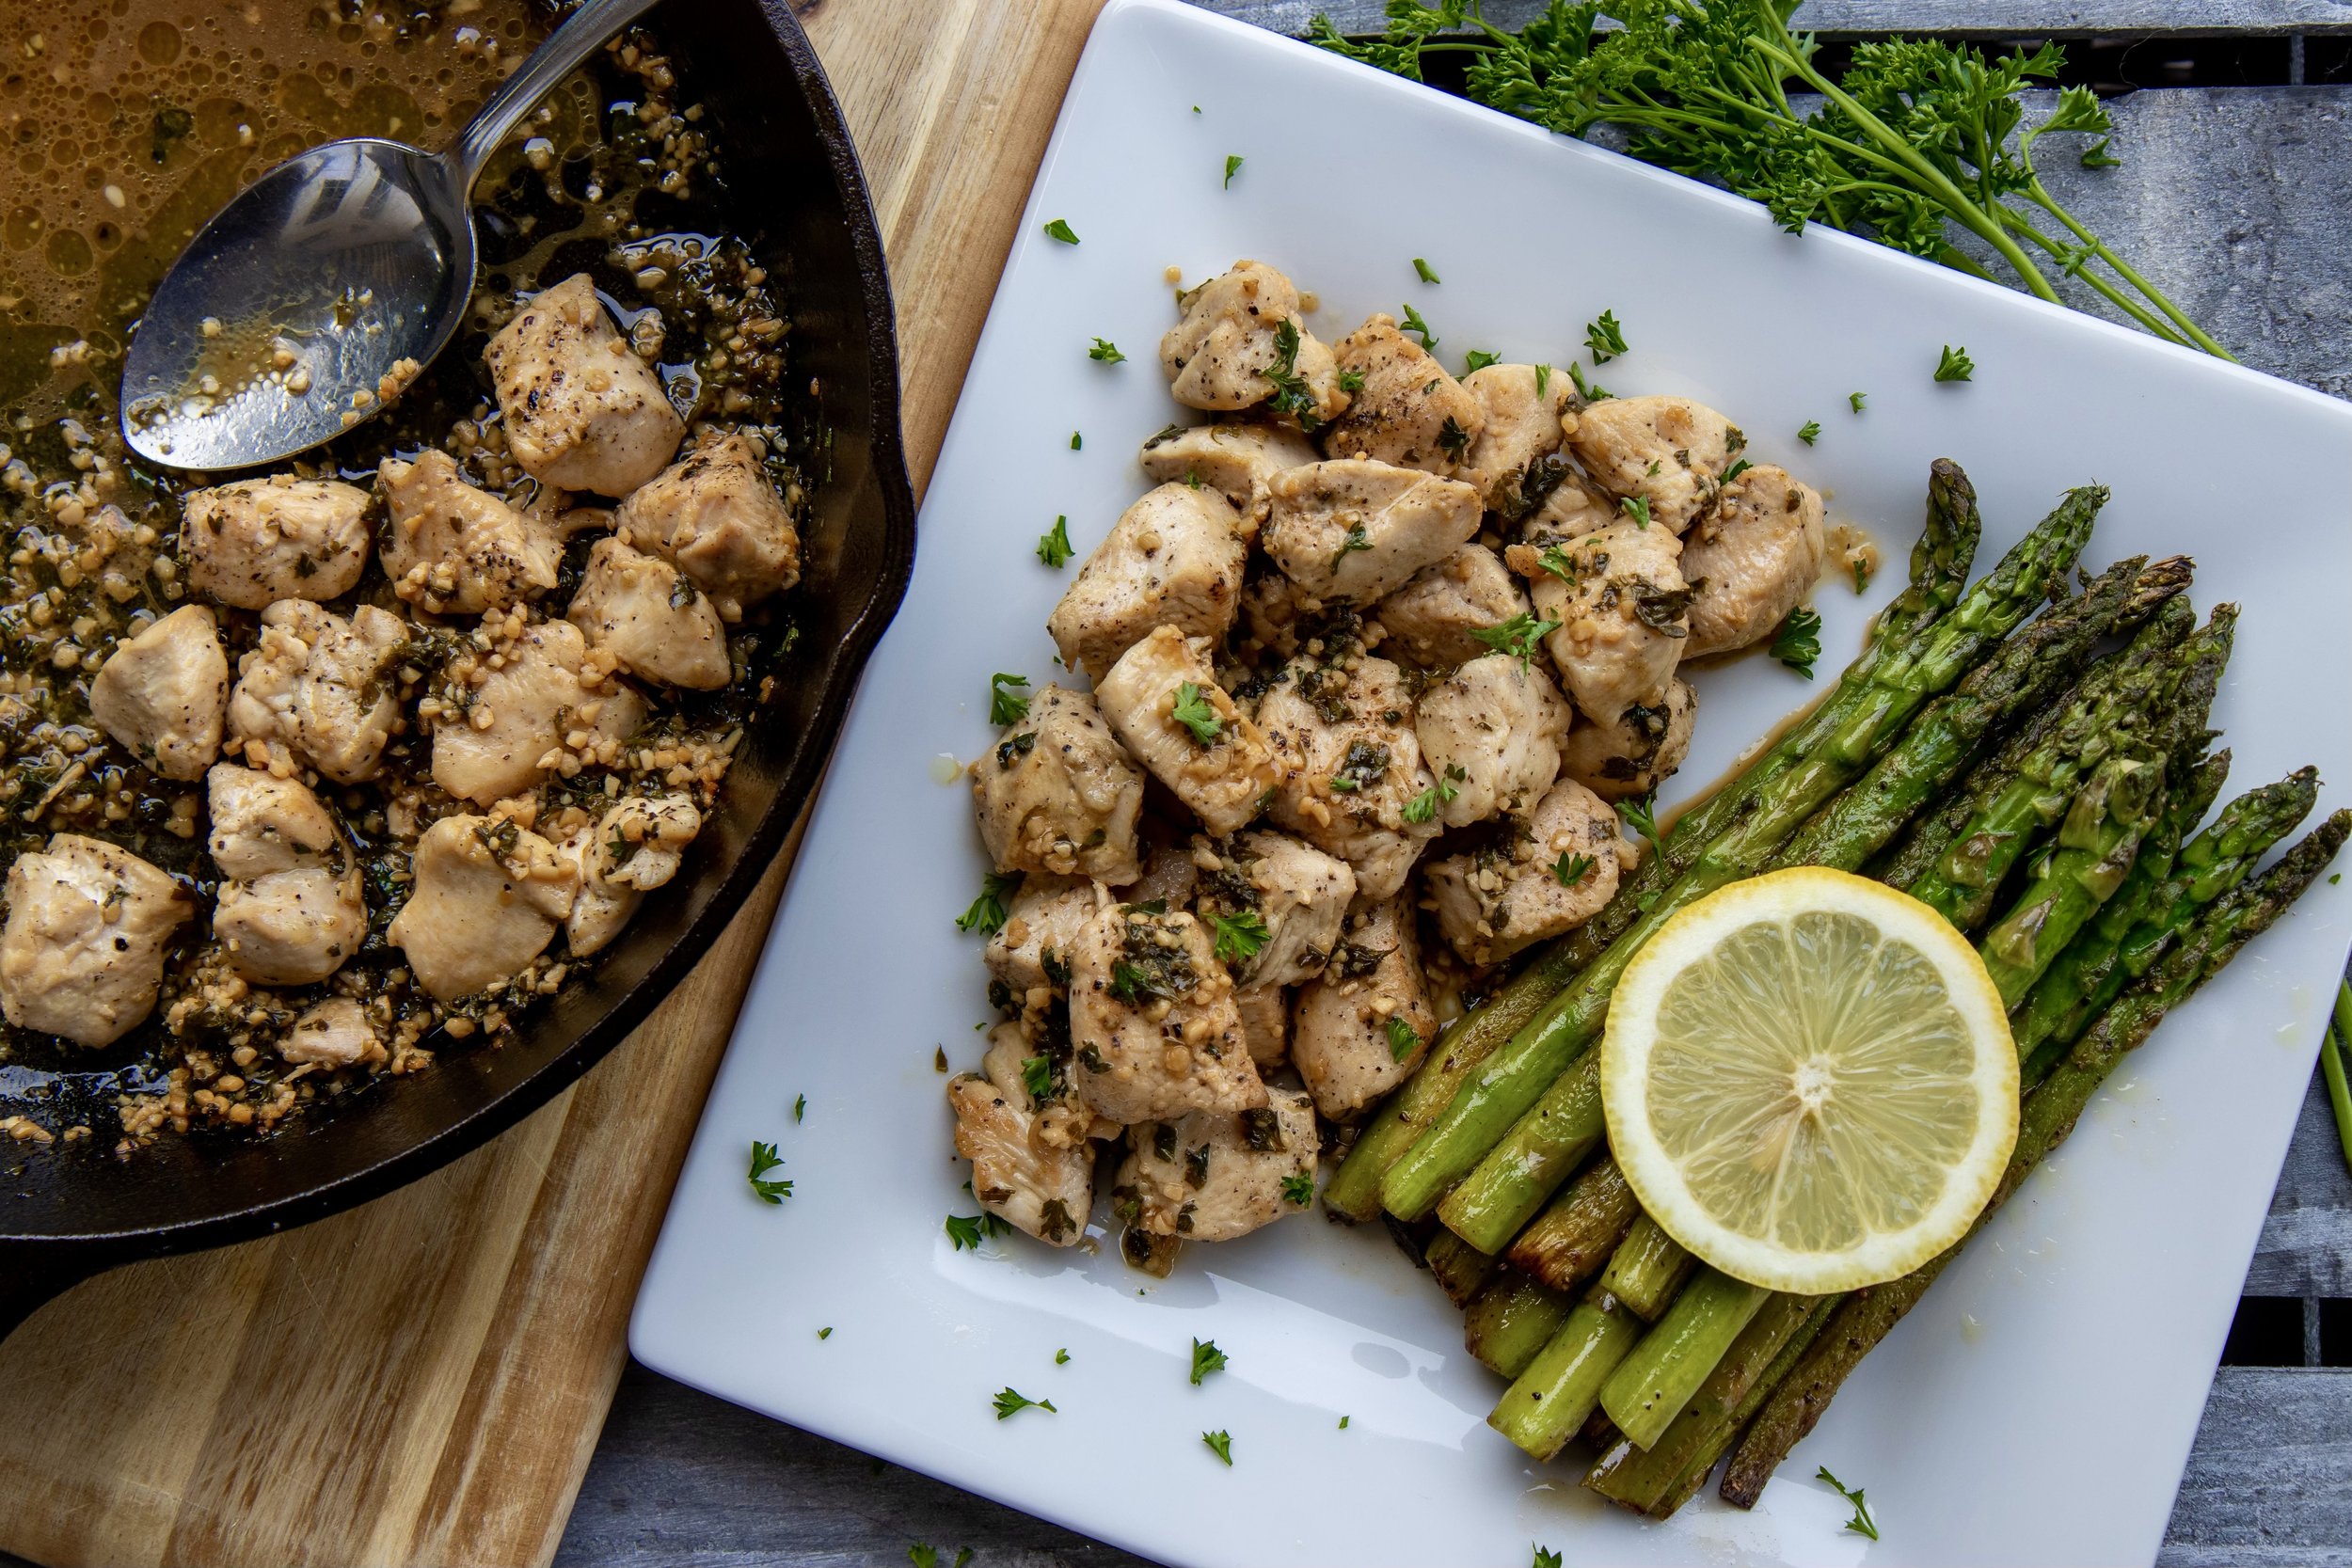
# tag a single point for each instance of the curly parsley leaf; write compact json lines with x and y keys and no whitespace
{"x":1861,"y":1524}
{"x":1478,"y":360}
{"x":1590,"y":391}
{"x":1568,"y":869}
{"x":1543,"y":382}
{"x":1552,"y":559}
{"x":1546,"y":1558}
{"x":2097,"y":156}
{"x":1105,"y":351}
{"x":1605,"y":337}
{"x":1739,"y":467}
{"x":1425,"y":272}
{"x":1414,"y":324}
{"x":987,"y":913}
{"x":1206,"y":1358}
{"x":1197,"y":713}
{"x":1519,"y":637}
{"x":1855,"y":400}
{"x":1862,"y":574}
{"x":1809,"y":432}
{"x":1007,"y":698}
{"x":1403,"y":1039}
{"x":1061,"y":1358}
{"x":1453,"y":439}
{"x":1798,"y":642}
{"x":1060,"y":230}
{"x":765,"y":1159}
{"x":1239,"y":936}
{"x":1292,"y":395}
{"x":1351,"y":381}
{"x":1955,"y":365}
{"x":967,"y":1231}
{"x":1298,"y":1190}
{"x":1054,"y":547}
{"x":1425,"y":806}
{"x":1037,"y":1076}
{"x":1232,"y":167}
{"x":1636,"y":507}
{"x":1221,"y":1445}
{"x":1641,"y":817}
{"x":1011,"y":1403}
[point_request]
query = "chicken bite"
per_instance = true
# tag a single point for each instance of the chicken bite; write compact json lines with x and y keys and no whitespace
{"x":1546,"y":876}
{"x":651,"y":617}
{"x":1750,"y":559}
{"x":257,"y":541}
{"x":1041,"y":1187}
{"x":636,"y":847}
{"x":450,"y":547}
{"x":1621,"y":611}
{"x":1491,"y":732}
{"x":1236,"y":329}
{"x":1174,"y":559}
{"x":82,"y":953}
{"x":582,"y":411}
{"x":319,"y":689}
{"x":1265,"y":1025}
{"x":163,"y":694}
{"x":1522,"y":408}
{"x":1364,"y":1026}
{"x":335,"y":1033}
{"x":1570,"y":509}
{"x":1432,"y":619}
{"x":503,"y":715}
{"x":1163,"y":700}
{"x":1235,"y":460}
{"x":1275,"y":904}
{"x":1409,"y":411}
{"x":1355,"y":529}
{"x":1637,"y":753}
{"x":1214,"y":1175}
{"x":1058,"y":792}
{"x":1152,"y":1020}
{"x":1350,"y":763}
{"x":488,"y":897}
{"x":290,"y":908}
{"x":1030,"y":955}
{"x":1669,"y":452}
{"x":716,"y":518}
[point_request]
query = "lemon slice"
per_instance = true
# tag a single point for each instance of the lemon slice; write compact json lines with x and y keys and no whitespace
{"x":1809,"y":1081}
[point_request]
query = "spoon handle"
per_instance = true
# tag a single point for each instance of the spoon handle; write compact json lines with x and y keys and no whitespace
{"x":585,"y":31}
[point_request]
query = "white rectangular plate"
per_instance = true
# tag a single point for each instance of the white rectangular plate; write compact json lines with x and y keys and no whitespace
{"x":2037,"y":1408}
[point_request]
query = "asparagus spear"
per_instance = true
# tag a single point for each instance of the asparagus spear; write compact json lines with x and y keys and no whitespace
{"x":1502,"y":1088}
{"x":1491,"y":1206}
{"x":1511,"y":1320}
{"x":1939,"y":573}
{"x":1575,"y":1236}
{"x":1460,"y":1268}
{"x":1550,"y":1400}
{"x":1659,"y":1376}
{"x":1646,"y":1270}
{"x":1865,"y":1318}
{"x":2093,"y":854}
{"x":2333,"y":1042}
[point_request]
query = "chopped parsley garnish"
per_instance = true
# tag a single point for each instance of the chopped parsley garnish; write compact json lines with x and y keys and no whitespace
{"x":1637,"y":507}
{"x":799,"y":1109}
{"x":1351,"y":381}
{"x":1403,"y":1039}
{"x":825,"y":1333}
{"x":1604,"y":338}
{"x":1478,"y":360}
{"x":1423,"y":271}
{"x":1054,"y":547}
{"x":966,"y":1231}
{"x":1061,"y":1358}
{"x":987,"y":913}
{"x":1739,"y":466}
{"x":1360,"y":769}
{"x":1798,"y":642}
{"x":1861,"y":1524}
{"x":1221,"y":1445}
{"x":1453,"y":439}
{"x":1060,"y":230}
{"x":765,"y":1159}
{"x":1546,"y":1558}
{"x":1543,"y":380}
{"x":1292,"y":394}
{"x":1955,"y":365}
{"x":1414,"y":324}
{"x":1037,"y":1076}
{"x":1077,"y":441}
{"x":1552,"y":559}
{"x":1343,"y":1420}
{"x":1105,"y":351}
{"x":1206,"y":1358}
{"x":1590,"y":391}
{"x":1424,"y":806}
{"x":1239,"y":936}
{"x":1641,"y":817}
{"x":1356,"y":540}
{"x":1007,"y":698}
{"x":939,"y":1058}
{"x":1862,"y":576}
{"x":1855,"y":400}
{"x":1519,"y":637}
{"x":1809,"y":432}
{"x":1568,"y":869}
{"x":1298,"y":1190}
{"x":1197,"y":713}
{"x":1010,"y":1403}
{"x":1232,"y":167}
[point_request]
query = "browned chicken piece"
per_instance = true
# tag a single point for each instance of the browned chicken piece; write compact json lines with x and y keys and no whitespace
{"x":1235,"y":460}
{"x":1570,"y":510}
{"x":1430,"y":621}
{"x":164,"y":693}
{"x":335,"y":1033}
{"x":1546,"y":876}
{"x":1622,"y":611}
{"x":453,"y":548}
{"x":522,"y":699}
{"x":1669,"y":452}
{"x":1215,"y":1174}
{"x":1637,"y":753}
{"x":715,"y":514}
{"x":1039,"y":1184}
{"x":1163,"y":700}
{"x":1058,"y":792}
{"x":1233,"y":333}
{"x":1359,"y":529}
{"x":1364,"y":1026}
{"x":489,"y":897}
{"x":651,"y":617}
{"x":290,"y":908}
{"x":1523,"y":406}
{"x":1409,"y":411}
{"x":1343,"y":739}
{"x":1030,"y":955}
{"x":1274,"y":903}
{"x":257,"y":541}
{"x":318,"y":689}
{"x":1265,"y":1025}
{"x":1750,"y":559}
{"x":1490,"y":733}
{"x":1152,"y":1021}
{"x":636,"y":846}
{"x":1174,"y":559}
{"x":582,"y":412}
{"x":82,"y":954}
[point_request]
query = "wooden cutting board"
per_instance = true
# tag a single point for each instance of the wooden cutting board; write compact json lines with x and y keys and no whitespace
{"x":422,"y":1380}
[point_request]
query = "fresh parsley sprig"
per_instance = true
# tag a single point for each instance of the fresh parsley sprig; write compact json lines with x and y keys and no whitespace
{"x":1298,"y":1190}
{"x":1061,"y":229}
{"x":1206,"y":1358}
{"x":1519,"y":637}
{"x":1605,"y":339}
{"x":1221,"y":1445}
{"x":1414,"y":324}
{"x":1292,"y":395}
{"x":1105,"y":352}
{"x":1641,"y":817}
{"x":1195,"y":713}
{"x":1810,"y":432}
{"x":1007,"y":698}
{"x":965,"y":1232}
{"x":1011,"y":1403}
{"x":987,"y":913}
{"x":1861,"y":1524}
{"x":1569,"y":869}
{"x":1232,"y":167}
{"x":1053,"y":548}
{"x":765,"y":1159}
{"x":1403,"y":1039}
{"x":1239,"y":936}
{"x":1955,"y":365}
{"x":1798,"y":642}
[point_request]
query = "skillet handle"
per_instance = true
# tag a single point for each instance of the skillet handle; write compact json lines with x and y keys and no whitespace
{"x":30,"y":1277}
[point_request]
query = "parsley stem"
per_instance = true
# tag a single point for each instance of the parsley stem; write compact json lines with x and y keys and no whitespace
{"x":2040,"y":196}
{"x":2073,"y":263}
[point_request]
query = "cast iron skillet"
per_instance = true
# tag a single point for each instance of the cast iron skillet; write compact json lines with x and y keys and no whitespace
{"x":65,"y":1215}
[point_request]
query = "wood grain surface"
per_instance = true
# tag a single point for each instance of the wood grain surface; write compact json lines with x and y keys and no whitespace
{"x":422,"y":1380}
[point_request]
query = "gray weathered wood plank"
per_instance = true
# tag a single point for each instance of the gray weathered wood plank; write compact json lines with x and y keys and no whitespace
{"x":1970,"y":18}
{"x":2306,"y":1246}
{"x":2270,"y":1480}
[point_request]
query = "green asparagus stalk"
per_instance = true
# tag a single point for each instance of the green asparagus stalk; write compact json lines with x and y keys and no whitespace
{"x":1550,"y":1399}
{"x":1646,"y":1270}
{"x":2333,"y":1042}
{"x":1573,"y":1239}
{"x":1865,"y":1318}
{"x":1493,"y":1203}
{"x":1511,"y":1320}
{"x":1460,"y":1268}
{"x":1659,"y":1377}
{"x":1702,"y":1461}
{"x":2095,"y":848}
{"x":1509,"y":1083}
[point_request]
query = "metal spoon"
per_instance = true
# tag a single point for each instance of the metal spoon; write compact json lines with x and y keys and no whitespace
{"x":330,"y":283}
